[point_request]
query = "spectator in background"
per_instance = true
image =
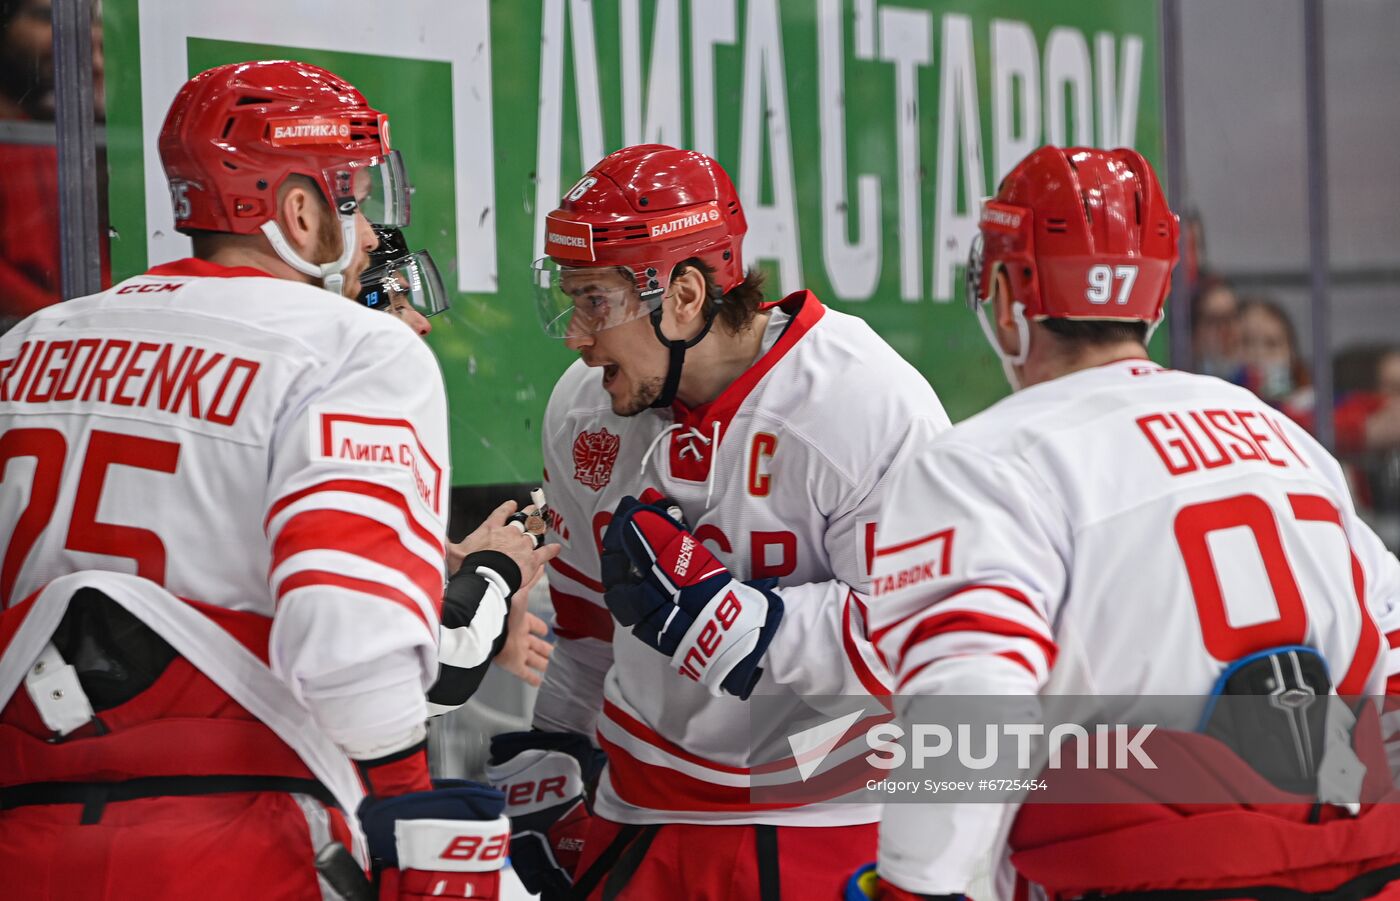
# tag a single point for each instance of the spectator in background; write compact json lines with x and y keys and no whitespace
{"x":26,"y":60}
{"x":1215,"y":330}
{"x":1368,"y":408}
{"x":1368,"y":433}
{"x":1382,"y":438}
{"x":1273,"y":365}
{"x":1383,"y":426}
{"x":29,"y":227}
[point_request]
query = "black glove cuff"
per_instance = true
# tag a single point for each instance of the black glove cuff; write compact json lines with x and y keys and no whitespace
{"x":497,"y":562}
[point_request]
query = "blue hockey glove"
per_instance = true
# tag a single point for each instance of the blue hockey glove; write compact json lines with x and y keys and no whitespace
{"x":680,"y":600}
{"x":452,"y":841}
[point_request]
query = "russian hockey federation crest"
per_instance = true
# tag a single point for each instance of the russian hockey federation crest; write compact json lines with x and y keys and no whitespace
{"x":594,"y":456}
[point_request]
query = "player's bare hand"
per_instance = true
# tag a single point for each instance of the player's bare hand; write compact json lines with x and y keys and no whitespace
{"x":520,"y":547}
{"x":525,"y":654}
{"x":479,"y":539}
{"x":538,"y":558}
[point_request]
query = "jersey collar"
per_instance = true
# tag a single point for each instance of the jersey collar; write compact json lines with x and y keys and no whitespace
{"x":1136,"y":363}
{"x":713,"y":418}
{"x":191,"y":267}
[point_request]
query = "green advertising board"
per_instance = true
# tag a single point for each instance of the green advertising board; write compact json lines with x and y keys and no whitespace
{"x":861,"y":134}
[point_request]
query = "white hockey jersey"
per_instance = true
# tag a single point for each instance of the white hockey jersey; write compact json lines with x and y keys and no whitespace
{"x":1122,"y":530}
{"x":249,"y":443}
{"x":779,"y":476}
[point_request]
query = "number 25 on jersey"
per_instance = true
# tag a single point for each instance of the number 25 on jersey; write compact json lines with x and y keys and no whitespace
{"x":49,"y":450}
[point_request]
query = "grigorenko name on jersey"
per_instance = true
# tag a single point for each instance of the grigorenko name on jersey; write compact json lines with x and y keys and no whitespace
{"x":175,"y":378}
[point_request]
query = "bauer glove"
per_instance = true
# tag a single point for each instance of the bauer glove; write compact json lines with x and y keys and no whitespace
{"x":680,"y":600}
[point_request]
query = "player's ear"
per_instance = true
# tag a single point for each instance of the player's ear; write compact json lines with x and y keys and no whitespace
{"x":300,"y":210}
{"x":688,"y":293}
{"x":1007,"y":331}
{"x":1001,"y":302}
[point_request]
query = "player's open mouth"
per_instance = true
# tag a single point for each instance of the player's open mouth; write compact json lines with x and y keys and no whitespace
{"x":609,"y":374}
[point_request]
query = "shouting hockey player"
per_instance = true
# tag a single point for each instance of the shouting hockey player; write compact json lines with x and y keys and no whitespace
{"x":1116,"y":528}
{"x":223,"y":519}
{"x":767,"y":427}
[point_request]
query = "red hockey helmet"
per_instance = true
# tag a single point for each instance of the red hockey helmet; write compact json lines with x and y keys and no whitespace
{"x":234,"y":133}
{"x":1081,"y":233}
{"x":642,"y":210}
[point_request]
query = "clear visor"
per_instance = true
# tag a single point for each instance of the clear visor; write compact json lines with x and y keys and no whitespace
{"x":410,"y":282}
{"x":377,"y":186}
{"x":577,"y":301}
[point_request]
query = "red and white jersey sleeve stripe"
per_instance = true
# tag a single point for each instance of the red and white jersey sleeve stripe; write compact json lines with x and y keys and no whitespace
{"x":968,"y":565}
{"x":355,"y":524}
{"x":824,"y":646}
{"x":359,"y":536}
{"x":965,"y":566}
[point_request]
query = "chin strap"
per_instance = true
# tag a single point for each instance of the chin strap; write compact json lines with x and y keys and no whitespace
{"x":677,"y":349}
{"x":1023,"y":333}
{"x":332,"y":275}
{"x":1152,"y":327}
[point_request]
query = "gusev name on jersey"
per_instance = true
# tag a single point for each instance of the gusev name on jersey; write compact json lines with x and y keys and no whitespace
{"x":258,"y":470}
{"x":1122,"y":530}
{"x":780,"y":477}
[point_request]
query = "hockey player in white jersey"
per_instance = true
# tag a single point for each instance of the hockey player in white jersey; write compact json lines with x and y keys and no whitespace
{"x":223,"y":509}
{"x":1117,"y":528}
{"x":768,"y":427}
